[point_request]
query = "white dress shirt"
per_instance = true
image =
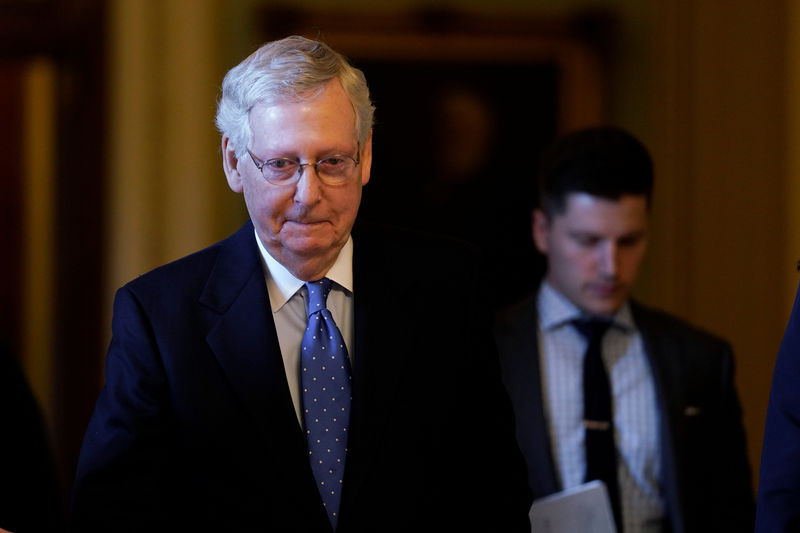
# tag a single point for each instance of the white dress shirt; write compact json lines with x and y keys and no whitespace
{"x":287,"y":298}
{"x":636,"y":415}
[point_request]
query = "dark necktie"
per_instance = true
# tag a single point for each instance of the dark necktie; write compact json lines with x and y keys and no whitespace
{"x":598,"y":419}
{"x":326,"y":396}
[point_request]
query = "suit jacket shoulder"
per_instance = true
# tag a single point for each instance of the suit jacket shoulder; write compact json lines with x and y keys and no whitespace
{"x":665,"y":325}
{"x":196,"y":408}
{"x":225,"y":264}
{"x":708,"y":483}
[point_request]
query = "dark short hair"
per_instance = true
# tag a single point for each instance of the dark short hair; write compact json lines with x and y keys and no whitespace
{"x":605,"y":161}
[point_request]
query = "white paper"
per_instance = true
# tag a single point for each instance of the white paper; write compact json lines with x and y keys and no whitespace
{"x":582,"y":509}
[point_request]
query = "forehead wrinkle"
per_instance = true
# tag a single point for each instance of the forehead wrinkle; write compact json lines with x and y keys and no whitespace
{"x":319,"y":130}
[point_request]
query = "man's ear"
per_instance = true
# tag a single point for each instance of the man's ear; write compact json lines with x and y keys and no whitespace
{"x":230,"y":164}
{"x":540,"y":228}
{"x":366,"y":159}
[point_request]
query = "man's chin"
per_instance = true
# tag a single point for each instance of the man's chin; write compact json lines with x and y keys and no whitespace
{"x":605,"y":308}
{"x":307,"y":248}
{"x":310,"y":246}
{"x":601,"y":306}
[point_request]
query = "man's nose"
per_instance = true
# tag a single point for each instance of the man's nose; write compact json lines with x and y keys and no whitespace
{"x":608,"y":261}
{"x":308,"y":188}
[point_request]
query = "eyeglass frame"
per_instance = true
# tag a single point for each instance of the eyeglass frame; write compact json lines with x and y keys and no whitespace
{"x":260,"y":163}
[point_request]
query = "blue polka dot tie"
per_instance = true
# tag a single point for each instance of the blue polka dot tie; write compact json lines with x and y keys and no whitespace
{"x":326,"y":396}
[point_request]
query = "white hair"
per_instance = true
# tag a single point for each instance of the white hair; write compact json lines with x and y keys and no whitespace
{"x":287,"y":70}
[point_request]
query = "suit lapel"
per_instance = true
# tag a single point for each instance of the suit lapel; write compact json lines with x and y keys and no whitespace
{"x":519,"y":349}
{"x":661,"y":353}
{"x":242,"y":336}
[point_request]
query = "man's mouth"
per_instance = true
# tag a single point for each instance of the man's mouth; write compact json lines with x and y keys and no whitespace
{"x":305,"y":221}
{"x":604,"y":290}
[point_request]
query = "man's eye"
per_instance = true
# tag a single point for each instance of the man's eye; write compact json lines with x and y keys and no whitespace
{"x":584,"y":240}
{"x":332,"y":162}
{"x":630,"y":241}
{"x":281,"y":164}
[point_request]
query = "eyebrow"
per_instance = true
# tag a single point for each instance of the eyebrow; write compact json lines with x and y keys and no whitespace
{"x":594,"y":235}
{"x":288,"y":154}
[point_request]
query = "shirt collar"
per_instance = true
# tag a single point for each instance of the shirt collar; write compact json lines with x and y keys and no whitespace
{"x":555,"y":310}
{"x":282,"y":285}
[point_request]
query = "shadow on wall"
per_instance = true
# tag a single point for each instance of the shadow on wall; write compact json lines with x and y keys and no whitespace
{"x":453,"y":154}
{"x":464,"y":106}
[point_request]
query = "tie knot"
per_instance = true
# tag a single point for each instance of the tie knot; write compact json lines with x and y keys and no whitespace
{"x":592,"y":329}
{"x":317,"y":295}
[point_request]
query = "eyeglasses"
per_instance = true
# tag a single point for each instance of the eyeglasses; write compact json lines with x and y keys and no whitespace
{"x":332,"y":170}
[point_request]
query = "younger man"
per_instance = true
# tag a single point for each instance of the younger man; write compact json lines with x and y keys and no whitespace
{"x":604,"y":388}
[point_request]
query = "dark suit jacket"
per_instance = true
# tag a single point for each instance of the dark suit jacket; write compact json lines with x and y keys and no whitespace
{"x":779,"y":478}
{"x":195,"y":427}
{"x":706,"y":479}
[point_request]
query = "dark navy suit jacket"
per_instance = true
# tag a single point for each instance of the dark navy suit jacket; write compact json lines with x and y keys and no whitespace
{"x":778,"y":507}
{"x":706,"y":480}
{"x":195,"y":428}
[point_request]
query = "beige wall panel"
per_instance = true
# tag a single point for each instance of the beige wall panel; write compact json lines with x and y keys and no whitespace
{"x":719,"y":148}
{"x":167,"y":193}
{"x":134,"y":125}
{"x":792,"y":181}
{"x":39,"y":263}
{"x":193,"y":181}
